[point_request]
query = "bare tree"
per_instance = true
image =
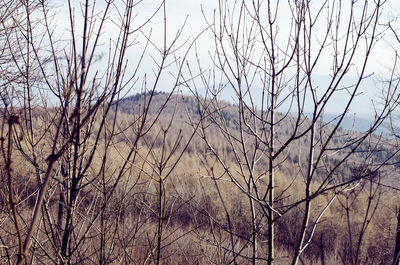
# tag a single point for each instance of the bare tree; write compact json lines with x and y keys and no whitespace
{"x":88,"y":177}
{"x":60,"y":119}
{"x":272,"y":75}
{"x":393,"y":42}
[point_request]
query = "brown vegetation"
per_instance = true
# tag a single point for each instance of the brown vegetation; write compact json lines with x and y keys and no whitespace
{"x":91,"y":176}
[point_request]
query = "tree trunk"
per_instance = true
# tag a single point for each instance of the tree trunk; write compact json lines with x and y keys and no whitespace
{"x":396,"y":256}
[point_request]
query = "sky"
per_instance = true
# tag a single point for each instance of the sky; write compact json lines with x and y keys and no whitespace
{"x":193,"y":15}
{"x":380,"y":61}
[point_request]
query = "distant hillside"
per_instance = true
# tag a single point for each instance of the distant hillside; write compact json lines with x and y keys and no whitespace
{"x":353,"y":123}
{"x":185,"y":110}
{"x":150,"y":170}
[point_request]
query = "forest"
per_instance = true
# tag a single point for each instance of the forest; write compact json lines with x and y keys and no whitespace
{"x":125,"y":139}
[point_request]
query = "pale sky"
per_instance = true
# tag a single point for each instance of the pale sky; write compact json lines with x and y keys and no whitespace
{"x":180,"y":10}
{"x":381,"y":58}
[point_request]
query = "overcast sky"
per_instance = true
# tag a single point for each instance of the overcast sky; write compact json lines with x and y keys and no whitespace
{"x":192,"y":14}
{"x":381,"y":59}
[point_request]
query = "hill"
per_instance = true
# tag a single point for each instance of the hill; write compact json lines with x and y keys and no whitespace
{"x":190,"y":179}
{"x":185,"y":112}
